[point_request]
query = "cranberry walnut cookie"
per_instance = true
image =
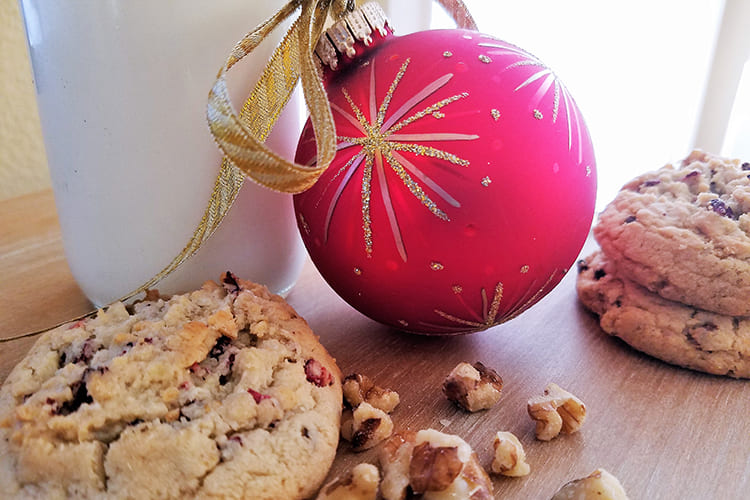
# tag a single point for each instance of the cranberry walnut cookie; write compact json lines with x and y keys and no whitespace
{"x":671,"y":331}
{"x":223,"y":392}
{"x":683,"y":231}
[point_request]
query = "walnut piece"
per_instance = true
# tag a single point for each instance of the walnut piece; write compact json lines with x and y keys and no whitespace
{"x":365,"y":426}
{"x":360,"y":389}
{"x":361,"y":483}
{"x":434,"y":465}
{"x":556,"y":411}
{"x":510,"y":457}
{"x":599,"y":485}
{"x":473,"y":388}
{"x":394,"y":457}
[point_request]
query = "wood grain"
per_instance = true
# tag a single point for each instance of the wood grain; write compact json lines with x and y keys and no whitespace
{"x":665,"y":432}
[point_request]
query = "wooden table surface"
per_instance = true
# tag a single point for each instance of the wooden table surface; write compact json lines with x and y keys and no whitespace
{"x":665,"y":432}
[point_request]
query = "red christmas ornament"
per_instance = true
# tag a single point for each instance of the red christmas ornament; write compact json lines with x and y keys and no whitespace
{"x":463,"y":188}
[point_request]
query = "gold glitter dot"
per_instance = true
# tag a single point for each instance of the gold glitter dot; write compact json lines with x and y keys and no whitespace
{"x":538,"y":114}
{"x":403,"y":322}
{"x":358,"y":271}
{"x":457,"y":289}
{"x":524,"y":269}
{"x":485,"y":59}
{"x":304,"y":225}
{"x":438,"y":115}
{"x":495,"y":114}
{"x":436,"y":266}
{"x":447,"y":53}
{"x":486,"y":181}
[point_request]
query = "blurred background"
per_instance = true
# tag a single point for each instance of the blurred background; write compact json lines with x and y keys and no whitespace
{"x":653,"y":79}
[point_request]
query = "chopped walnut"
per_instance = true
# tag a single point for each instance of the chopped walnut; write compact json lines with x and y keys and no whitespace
{"x":434,"y":465}
{"x":599,"y":485}
{"x":365,"y":427}
{"x":361,"y":483}
{"x":510,"y":457}
{"x":359,"y":388}
{"x":556,"y":411}
{"x":394,"y":457}
{"x":473,"y":388}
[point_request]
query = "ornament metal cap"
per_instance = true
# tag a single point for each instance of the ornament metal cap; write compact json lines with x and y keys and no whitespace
{"x":356,"y":26}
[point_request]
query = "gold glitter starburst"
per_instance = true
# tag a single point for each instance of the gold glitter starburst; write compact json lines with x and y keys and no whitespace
{"x":547,"y":83}
{"x":490,"y":315}
{"x":382,"y":144}
{"x":489,"y":312}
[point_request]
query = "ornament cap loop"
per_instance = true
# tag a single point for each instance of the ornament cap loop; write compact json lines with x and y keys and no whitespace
{"x":357,"y":26}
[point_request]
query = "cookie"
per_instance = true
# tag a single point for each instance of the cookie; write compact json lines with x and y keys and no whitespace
{"x":683,"y":232}
{"x":220,"y":393}
{"x":667,"y":330}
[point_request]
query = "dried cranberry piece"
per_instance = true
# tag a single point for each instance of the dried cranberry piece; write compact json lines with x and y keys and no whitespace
{"x":694,"y":173}
{"x":218,"y":348}
{"x":80,"y":396}
{"x":582,"y":266}
{"x":77,"y":324}
{"x":746,"y":165}
{"x":197,"y":370}
{"x":599,"y":274}
{"x":652,"y":183}
{"x":257,"y":396}
{"x":224,"y":377}
{"x":629,"y":219}
{"x":87,"y":352}
{"x":721,"y":208}
{"x":230,"y":282}
{"x":317,"y":374}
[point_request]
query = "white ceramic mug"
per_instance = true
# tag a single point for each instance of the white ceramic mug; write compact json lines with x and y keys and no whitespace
{"x":122,"y":87}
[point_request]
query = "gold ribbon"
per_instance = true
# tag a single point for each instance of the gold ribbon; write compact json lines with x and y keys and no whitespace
{"x":241,"y":136}
{"x":242,"y":140}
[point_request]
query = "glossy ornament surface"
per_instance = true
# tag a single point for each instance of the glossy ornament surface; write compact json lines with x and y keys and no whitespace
{"x":463,"y":188}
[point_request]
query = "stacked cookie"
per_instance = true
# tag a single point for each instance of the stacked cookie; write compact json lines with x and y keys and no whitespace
{"x":672,"y":278}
